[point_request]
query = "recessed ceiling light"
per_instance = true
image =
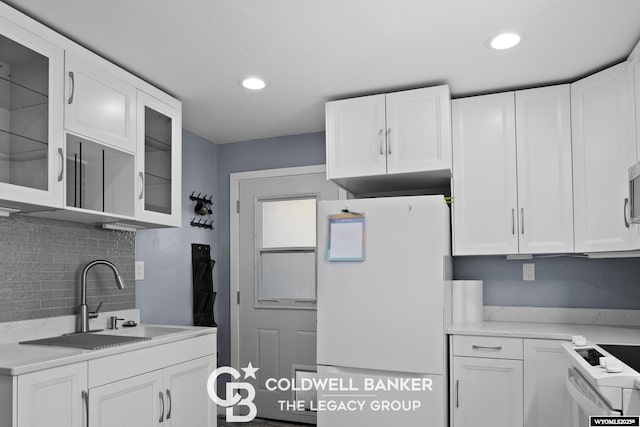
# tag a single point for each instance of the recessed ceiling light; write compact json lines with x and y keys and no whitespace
{"x":505,"y":41}
{"x":253,"y":83}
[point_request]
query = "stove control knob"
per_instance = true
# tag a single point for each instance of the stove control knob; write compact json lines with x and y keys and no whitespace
{"x":613,"y":366}
{"x":578,"y":340}
{"x":603,"y":361}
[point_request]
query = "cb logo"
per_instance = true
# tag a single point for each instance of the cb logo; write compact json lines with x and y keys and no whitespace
{"x":233,"y":397}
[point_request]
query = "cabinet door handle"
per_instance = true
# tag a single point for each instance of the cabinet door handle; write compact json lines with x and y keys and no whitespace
{"x":522,"y":220}
{"x":487,"y":348}
{"x":61,"y":158}
{"x":141,"y":181}
{"x":169,"y":403}
{"x":457,"y":393}
{"x":624,"y":212}
{"x":380,"y":134}
{"x":85,"y":401}
{"x":73,"y":87}
{"x":513,"y":221}
{"x":389,"y":141}
{"x":162,"y":410}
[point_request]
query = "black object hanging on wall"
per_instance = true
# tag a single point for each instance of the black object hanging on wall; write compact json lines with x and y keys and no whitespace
{"x":203,"y":295}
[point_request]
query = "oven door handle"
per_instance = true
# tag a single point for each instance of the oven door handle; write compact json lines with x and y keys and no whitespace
{"x":591,"y":406}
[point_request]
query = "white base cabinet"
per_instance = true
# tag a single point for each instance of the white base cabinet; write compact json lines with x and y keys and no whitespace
{"x":162,"y":385}
{"x":132,"y":402}
{"x":486,"y":381}
{"x":512,"y":382}
{"x":55,"y":397}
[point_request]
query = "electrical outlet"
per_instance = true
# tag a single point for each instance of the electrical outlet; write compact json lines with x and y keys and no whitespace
{"x":528,"y":271}
{"x":139,"y":270}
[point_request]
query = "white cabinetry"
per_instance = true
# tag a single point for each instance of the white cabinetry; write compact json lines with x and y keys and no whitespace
{"x":98,"y":105}
{"x":159,"y":161}
{"x":604,"y":147}
{"x":546,"y":400}
{"x":512,"y":173}
{"x":31,"y":91}
{"x":55,"y":397}
{"x":486,"y":382}
{"x":391,"y":141}
{"x":131,"y":402}
{"x":154,"y":386}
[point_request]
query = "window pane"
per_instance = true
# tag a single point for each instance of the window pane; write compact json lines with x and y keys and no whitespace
{"x":288,"y":275}
{"x":289,"y":223}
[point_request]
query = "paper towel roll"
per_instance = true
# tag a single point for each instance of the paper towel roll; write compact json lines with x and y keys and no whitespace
{"x":473,"y":301}
{"x":466,"y":301}
{"x":457,"y":301}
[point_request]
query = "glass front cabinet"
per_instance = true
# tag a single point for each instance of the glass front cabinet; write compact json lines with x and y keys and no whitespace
{"x":158,"y":162}
{"x":31,"y":148}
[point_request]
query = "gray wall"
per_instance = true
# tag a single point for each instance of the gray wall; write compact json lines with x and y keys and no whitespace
{"x":41,"y":261}
{"x":560,"y":281}
{"x":272,"y":153}
{"x":165,"y":295}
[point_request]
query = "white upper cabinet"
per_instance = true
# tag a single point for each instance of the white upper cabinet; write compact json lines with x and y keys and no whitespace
{"x":159,"y":161}
{"x":356,"y":140}
{"x":484,"y":175}
{"x":512,"y":173}
{"x":604,"y":147}
{"x":31,"y":90}
{"x":545,"y":192}
{"x":405,"y":134}
{"x":636,"y":79}
{"x":418,"y":130}
{"x":98,"y":105}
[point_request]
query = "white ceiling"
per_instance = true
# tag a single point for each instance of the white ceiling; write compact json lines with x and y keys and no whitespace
{"x":311,"y":51}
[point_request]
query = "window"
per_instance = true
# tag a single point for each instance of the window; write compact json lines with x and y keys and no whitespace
{"x":286,"y":252}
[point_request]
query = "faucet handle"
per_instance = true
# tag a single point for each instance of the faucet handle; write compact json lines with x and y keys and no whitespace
{"x":94,"y":314}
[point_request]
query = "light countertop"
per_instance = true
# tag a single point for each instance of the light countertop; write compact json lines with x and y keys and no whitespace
{"x":16,"y":359}
{"x":555,"y":331}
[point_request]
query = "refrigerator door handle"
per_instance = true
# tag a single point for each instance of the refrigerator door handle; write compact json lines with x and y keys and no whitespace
{"x":457,"y":393}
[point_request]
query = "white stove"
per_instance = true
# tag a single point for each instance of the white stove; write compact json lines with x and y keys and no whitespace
{"x":602,"y":379}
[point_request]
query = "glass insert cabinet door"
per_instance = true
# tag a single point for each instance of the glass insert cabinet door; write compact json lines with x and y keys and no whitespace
{"x":31,"y":86}
{"x":158,"y":161}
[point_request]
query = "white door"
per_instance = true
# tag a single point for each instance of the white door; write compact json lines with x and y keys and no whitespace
{"x":277,"y":281}
{"x":487,"y":392}
{"x":603,"y":150}
{"x":545,"y":191}
{"x":185,"y":389}
{"x":484,"y":175}
{"x":356,"y":139}
{"x":419,"y":130}
{"x":546,"y":400}
{"x":99,"y":105}
{"x":53,"y":397}
{"x":135,"y":402}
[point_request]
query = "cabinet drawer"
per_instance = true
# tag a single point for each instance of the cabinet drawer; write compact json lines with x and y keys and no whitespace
{"x":492,"y":347}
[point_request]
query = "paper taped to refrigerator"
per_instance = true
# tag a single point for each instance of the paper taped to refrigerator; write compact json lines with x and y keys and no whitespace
{"x":346,"y":237}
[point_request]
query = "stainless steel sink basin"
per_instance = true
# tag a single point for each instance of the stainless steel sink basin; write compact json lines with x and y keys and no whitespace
{"x":89,"y":341}
{"x":146,"y":331}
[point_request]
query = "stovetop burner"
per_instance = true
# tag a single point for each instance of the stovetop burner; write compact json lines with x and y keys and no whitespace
{"x":627,"y":354}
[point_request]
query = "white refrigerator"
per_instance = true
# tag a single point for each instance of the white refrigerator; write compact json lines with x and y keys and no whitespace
{"x":381,"y":340}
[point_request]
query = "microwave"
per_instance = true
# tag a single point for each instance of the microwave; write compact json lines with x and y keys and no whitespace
{"x":634,"y":193}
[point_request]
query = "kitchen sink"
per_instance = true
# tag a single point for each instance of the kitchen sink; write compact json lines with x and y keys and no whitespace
{"x":144,"y":331}
{"x":88,"y":341}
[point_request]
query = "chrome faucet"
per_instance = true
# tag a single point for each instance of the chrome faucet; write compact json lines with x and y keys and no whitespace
{"x":84,"y":313}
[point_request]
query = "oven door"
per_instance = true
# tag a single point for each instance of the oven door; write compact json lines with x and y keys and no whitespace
{"x":586,"y":399}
